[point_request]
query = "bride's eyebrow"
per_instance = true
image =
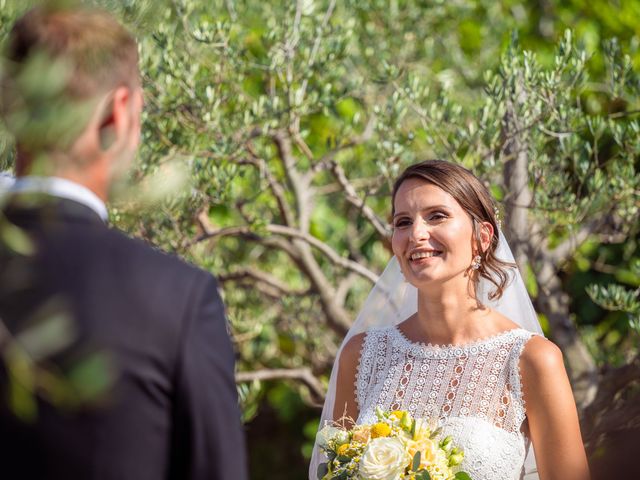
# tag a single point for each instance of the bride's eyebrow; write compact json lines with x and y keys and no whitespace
{"x":425,"y":209}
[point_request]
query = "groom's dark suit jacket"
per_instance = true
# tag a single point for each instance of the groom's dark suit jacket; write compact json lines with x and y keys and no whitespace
{"x":171,"y":412}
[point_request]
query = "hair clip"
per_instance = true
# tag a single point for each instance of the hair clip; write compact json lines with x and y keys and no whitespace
{"x":496,"y":212}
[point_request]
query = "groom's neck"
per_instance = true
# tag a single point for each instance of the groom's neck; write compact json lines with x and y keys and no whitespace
{"x":93,"y":175}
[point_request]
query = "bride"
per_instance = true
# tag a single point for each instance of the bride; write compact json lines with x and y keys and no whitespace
{"x":449,"y":333}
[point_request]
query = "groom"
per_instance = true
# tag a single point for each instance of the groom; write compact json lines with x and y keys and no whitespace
{"x":157,"y":323}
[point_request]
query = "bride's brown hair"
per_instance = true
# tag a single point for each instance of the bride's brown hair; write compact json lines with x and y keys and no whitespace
{"x":475,"y":199}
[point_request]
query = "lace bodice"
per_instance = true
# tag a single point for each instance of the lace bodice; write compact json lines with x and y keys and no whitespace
{"x":473,"y":391}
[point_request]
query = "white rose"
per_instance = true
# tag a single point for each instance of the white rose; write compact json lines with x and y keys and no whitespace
{"x":331,"y":434}
{"x":384,"y":459}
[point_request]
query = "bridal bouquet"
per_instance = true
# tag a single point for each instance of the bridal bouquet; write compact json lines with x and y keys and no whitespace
{"x":397,"y":447}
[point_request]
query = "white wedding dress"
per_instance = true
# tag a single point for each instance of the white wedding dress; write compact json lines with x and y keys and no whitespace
{"x":473,"y":390}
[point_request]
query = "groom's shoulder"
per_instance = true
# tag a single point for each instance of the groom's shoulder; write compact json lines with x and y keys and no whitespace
{"x":142,"y":257}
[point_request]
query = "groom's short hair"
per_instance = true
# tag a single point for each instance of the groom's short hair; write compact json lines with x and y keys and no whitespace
{"x":95,"y":51}
{"x":101,"y":53}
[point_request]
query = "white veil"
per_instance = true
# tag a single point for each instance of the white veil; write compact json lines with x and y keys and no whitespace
{"x":393,"y":300}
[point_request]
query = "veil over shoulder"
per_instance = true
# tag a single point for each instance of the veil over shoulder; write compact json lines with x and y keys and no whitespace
{"x":393,"y":300}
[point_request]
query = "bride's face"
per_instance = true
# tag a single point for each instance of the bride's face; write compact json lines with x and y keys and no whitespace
{"x":432,"y":234}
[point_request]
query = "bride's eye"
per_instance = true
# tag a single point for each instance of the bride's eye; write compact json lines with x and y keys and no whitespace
{"x":401,"y":222}
{"x":437,"y":216}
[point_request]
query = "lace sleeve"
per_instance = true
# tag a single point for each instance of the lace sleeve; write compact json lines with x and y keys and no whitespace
{"x":515,"y":380}
{"x":365,"y":375}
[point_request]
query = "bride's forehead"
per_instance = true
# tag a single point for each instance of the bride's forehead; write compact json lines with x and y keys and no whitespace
{"x":415,"y":193}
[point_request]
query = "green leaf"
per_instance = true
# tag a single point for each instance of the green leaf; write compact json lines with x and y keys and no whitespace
{"x":14,"y":238}
{"x":92,"y":376}
{"x":323,"y":469}
{"x":614,"y":297}
{"x":416,"y":461}
{"x":423,"y":475}
{"x":462,"y":476}
{"x":530,"y":281}
{"x":47,"y":335}
{"x":22,"y":386}
{"x":405,"y":422}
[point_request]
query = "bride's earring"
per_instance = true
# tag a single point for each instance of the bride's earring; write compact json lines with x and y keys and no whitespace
{"x":477,"y":261}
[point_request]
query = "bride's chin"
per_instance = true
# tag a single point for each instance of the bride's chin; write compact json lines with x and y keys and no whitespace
{"x":422,"y":280}
{"x":432,"y":280}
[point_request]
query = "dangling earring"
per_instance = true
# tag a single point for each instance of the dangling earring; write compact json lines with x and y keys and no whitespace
{"x":477,"y":261}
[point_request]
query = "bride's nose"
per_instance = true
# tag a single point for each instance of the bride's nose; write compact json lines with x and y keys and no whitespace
{"x":419,"y":230}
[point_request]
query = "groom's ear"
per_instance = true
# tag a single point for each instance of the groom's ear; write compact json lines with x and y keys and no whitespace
{"x":117,"y":122}
{"x":106,"y":130}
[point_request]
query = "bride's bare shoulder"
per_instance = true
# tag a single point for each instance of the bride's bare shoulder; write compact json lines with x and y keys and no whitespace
{"x":541,"y":357}
{"x":351,"y":350}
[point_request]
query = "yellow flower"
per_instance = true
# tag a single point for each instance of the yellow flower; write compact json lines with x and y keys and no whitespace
{"x":428,"y":450}
{"x":397,"y":414}
{"x":380,"y":429}
{"x":439,"y":469}
{"x":342,"y":449}
{"x":422,"y":429}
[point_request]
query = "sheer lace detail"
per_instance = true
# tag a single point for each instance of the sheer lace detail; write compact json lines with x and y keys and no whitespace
{"x":473,"y":390}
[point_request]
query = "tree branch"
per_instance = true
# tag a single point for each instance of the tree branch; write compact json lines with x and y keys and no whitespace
{"x":246,"y":232}
{"x":331,"y":254}
{"x":316,"y":44}
{"x":327,"y":161}
{"x":516,"y":179}
{"x":352,"y":197}
{"x":300,"y":185}
{"x":371,"y":183}
{"x":344,"y":287}
{"x":552,"y":299}
{"x":276,"y":187}
{"x":303,"y":375}
{"x":326,"y":250}
{"x":568,"y":247}
{"x":275,"y":287}
{"x":553,"y":302}
{"x":337,"y":317}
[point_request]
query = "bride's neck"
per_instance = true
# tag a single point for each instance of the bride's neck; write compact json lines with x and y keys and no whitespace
{"x":448,"y":317}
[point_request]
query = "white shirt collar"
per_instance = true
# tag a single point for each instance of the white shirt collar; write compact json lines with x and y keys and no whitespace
{"x":61,"y":188}
{"x":6,"y":180}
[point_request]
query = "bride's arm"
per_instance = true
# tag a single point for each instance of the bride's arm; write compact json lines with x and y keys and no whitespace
{"x":552,"y":413}
{"x":346,"y":405}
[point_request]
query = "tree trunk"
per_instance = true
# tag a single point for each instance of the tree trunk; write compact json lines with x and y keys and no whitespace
{"x":522,"y":233}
